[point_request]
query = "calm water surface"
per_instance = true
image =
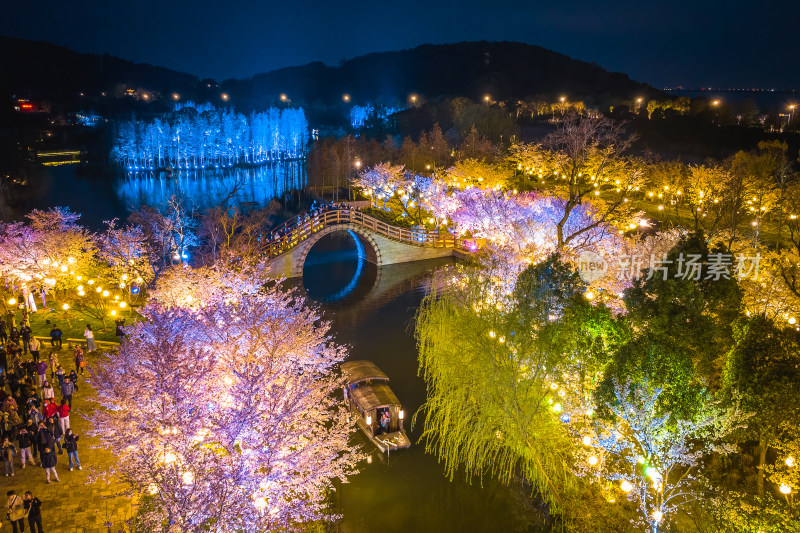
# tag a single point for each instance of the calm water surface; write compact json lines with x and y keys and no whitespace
{"x":409,"y":492}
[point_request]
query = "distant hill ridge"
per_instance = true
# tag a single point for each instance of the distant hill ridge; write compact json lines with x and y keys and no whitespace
{"x":504,"y":70}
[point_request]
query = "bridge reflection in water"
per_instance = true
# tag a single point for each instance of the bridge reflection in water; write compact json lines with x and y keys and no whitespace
{"x":207,"y":188}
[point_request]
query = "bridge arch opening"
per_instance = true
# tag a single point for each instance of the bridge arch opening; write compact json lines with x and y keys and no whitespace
{"x":340,"y":266}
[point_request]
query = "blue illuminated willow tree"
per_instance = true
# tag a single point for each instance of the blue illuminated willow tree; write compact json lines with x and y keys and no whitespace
{"x":198,"y":137}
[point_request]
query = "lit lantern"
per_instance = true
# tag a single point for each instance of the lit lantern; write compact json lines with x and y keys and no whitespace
{"x":139,"y":280}
{"x":589,"y":295}
{"x":626,"y":486}
{"x":260,"y":504}
{"x":152,"y":488}
{"x":169,"y":458}
{"x":65,"y":307}
{"x":785,"y":489}
{"x":593,"y":460}
{"x":369,"y":420}
{"x":105,"y":294}
{"x":81,"y":293}
{"x":401,"y":415}
{"x":122,"y":285}
{"x":587,"y":440}
{"x":188,"y":478}
{"x":79,"y":278}
{"x":90,"y":282}
{"x":657,"y":516}
{"x":790,"y":461}
{"x":124,"y":277}
{"x":80,"y":288}
{"x":63,"y":268}
{"x":12,"y":301}
{"x":113,"y":312}
{"x":122,"y":304}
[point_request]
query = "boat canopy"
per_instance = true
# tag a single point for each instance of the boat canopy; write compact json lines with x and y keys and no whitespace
{"x":374,"y":396}
{"x":358,"y":371}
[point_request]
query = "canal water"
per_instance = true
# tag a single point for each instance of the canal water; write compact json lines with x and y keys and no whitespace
{"x":372,"y":310}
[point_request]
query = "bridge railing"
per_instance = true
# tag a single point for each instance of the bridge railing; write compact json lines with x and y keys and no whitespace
{"x":298,"y":229}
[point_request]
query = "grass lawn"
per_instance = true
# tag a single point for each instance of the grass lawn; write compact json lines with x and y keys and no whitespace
{"x":73,"y":323}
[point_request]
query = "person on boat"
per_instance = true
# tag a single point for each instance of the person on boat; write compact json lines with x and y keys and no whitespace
{"x":385,"y":422}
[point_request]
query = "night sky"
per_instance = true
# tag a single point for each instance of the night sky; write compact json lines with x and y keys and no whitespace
{"x":694,"y":43}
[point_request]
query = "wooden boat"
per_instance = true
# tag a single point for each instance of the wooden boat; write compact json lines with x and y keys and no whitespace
{"x":371,"y":400}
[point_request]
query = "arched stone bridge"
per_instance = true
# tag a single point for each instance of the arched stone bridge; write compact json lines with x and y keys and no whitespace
{"x":377,"y":242}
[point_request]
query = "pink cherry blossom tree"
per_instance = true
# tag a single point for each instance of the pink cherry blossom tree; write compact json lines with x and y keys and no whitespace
{"x":223,"y":416}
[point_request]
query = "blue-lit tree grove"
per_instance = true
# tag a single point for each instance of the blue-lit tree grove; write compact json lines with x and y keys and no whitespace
{"x":197,"y":137}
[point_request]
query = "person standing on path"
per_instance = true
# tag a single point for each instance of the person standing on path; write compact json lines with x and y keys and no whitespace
{"x":15,"y":510}
{"x":47,"y":391}
{"x":9,"y":451}
{"x":41,"y":373}
{"x":25,"y":333}
{"x":89,"y":334}
{"x":33,"y":506}
{"x":53,"y":363}
{"x":67,"y":390}
{"x":25,"y":443}
{"x":71,"y":444}
{"x":49,"y":461}
{"x":3,"y":334}
{"x":34,"y":345}
{"x":80,"y":362}
{"x":63,"y":416}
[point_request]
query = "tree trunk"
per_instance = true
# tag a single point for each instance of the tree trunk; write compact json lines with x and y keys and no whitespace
{"x":762,"y":459}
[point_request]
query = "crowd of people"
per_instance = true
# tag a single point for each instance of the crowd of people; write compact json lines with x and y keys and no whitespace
{"x":36,"y":399}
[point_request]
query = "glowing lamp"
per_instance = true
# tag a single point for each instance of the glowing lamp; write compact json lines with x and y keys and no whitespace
{"x":593,"y":460}
{"x":124,"y":277}
{"x":792,"y":320}
{"x":139,"y":280}
{"x":401,"y":415}
{"x":65,"y":307}
{"x":554,"y":386}
{"x":90,"y":282}
{"x":152,"y":488}
{"x":589,"y":295}
{"x":557,"y":408}
{"x":785,"y":489}
{"x":587,"y":440}
{"x":122,"y":285}
{"x":188,"y":478}
{"x":626,"y":486}
{"x":70,"y":260}
{"x":369,"y":420}
{"x":169,"y":458}
{"x":657,"y":516}
{"x":105,"y":294}
{"x":81,"y":293}
{"x":63,"y":268}
{"x":122,"y":304}
{"x":12,"y":301}
{"x":492,"y":334}
{"x":640,"y":460}
{"x":99,"y":289}
{"x":79,"y":278}
{"x":790,"y":461}
{"x":260,"y":503}
{"x":113,"y":312}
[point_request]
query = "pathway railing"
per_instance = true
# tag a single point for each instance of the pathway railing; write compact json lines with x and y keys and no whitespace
{"x":299,"y":228}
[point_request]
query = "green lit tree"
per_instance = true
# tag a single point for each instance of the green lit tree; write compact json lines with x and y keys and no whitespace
{"x":764,"y":367}
{"x":496,"y":374}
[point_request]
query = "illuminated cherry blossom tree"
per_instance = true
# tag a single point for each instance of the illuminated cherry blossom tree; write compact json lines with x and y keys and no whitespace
{"x":223,"y":416}
{"x":49,"y":253}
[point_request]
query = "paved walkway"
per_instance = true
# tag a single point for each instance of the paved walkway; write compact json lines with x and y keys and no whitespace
{"x":73,"y":504}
